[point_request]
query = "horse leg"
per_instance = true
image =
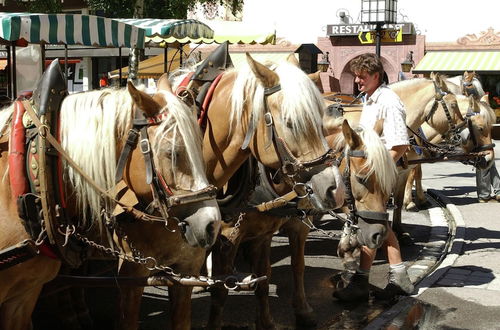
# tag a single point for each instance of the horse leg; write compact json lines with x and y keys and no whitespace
{"x":16,"y":313}
{"x":408,"y":198}
{"x":129,"y":298}
{"x":398,"y":202}
{"x":297,"y":235}
{"x":260,"y":253}
{"x":180,"y":307}
{"x":420,"y":198}
{"x":223,"y":255}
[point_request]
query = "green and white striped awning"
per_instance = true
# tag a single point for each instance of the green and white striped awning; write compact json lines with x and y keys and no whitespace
{"x":70,"y":29}
{"x":221,"y":31}
{"x":172,"y":30}
{"x":459,"y":61}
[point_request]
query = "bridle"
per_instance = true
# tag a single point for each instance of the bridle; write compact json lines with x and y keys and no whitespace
{"x":163,"y":197}
{"x":354,"y":214}
{"x":293,"y":169}
{"x":453,"y":134}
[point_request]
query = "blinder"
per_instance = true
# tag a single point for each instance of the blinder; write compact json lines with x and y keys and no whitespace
{"x":163,"y":197}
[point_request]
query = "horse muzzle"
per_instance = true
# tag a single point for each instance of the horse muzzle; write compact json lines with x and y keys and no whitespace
{"x":327,"y":189}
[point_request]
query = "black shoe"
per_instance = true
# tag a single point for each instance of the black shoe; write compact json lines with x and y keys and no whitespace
{"x":399,"y":285}
{"x":356,"y":289}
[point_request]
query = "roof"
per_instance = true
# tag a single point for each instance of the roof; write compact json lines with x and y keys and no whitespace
{"x":311,"y":48}
{"x":70,"y":29}
{"x":171,"y":30}
{"x":459,"y":61}
{"x":152,"y":67}
{"x":234,"y":32}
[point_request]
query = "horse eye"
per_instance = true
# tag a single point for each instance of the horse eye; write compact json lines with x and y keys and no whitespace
{"x":362,"y":179}
{"x":289,"y":124}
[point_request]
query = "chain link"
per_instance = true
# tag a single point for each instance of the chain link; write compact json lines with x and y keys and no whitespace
{"x":236,"y":228}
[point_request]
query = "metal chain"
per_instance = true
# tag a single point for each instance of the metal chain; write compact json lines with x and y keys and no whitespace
{"x":312,"y":227}
{"x":236,"y":227}
{"x":137,"y":256}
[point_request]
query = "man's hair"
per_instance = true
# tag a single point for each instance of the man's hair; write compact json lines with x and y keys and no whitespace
{"x":369,"y":63}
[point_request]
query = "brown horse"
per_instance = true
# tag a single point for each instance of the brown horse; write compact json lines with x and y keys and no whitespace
{"x":479,"y":118}
{"x":426,"y":100}
{"x":93,"y":131}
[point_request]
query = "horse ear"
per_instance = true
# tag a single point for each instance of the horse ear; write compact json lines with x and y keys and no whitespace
{"x":163,"y":83}
{"x":143,"y":101}
{"x":293,"y":60}
{"x":266,"y":76}
{"x":314,"y":76}
{"x":352,"y":138}
{"x":485,"y":99}
{"x":440,"y":82}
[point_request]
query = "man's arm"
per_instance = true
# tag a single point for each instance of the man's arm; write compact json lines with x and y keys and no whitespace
{"x":397,"y":151}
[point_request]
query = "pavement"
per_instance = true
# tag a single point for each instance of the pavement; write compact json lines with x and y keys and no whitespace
{"x":463,"y":291}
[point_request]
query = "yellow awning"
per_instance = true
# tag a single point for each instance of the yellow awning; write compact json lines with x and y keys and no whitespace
{"x":239,"y":59}
{"x":459,"y":61}
{"x":232,"y":31}
{"x":152,"y":67}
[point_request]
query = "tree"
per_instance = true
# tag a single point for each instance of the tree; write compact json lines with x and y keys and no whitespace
{"x":155,"y":8}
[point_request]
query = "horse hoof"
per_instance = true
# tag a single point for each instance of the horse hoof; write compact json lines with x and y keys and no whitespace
{"x":412,"y":207}
{"x":424,"y":205}
{"x":305,"y":320}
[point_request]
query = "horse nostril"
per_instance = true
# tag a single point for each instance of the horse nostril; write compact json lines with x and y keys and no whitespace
{"x":210,"y":230}
{"x":376,"y":238}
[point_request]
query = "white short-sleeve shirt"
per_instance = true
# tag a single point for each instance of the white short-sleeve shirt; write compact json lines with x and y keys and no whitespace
{"x":386,"y":104}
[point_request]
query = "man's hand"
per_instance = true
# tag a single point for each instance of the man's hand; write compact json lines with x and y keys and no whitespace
{"x":397,"y":151}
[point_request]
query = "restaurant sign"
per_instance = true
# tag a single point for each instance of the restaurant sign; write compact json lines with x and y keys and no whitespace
{"x":344,"y":30}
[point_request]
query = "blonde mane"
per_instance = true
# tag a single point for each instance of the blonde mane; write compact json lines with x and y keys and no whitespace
{"x":378,"y":160}
{"x":91,"y":125}
{"x":302,"y":105}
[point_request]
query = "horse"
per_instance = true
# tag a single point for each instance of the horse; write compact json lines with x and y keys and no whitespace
{"x":479,"y":118}
{"x":430,"y":100}
{"x":182,"y":223}
{"x":469,"y":85}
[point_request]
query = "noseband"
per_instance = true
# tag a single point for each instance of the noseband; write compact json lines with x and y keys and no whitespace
{"x":163,"y":197}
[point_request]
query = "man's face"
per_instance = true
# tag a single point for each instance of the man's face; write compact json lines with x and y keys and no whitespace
{"x":367,"y":83}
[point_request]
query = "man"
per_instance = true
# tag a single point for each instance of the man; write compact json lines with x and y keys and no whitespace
{"x":381,"y":105}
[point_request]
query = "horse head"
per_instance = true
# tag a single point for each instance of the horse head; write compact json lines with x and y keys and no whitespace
{"x":370,"y":175}
{"x":476,"y":135}
{"x":175,"y":184}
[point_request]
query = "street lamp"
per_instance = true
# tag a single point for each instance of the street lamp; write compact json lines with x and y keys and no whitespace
{"x":408,"y":63}
{"x":324,"y":63}
{"x":378,"y":12}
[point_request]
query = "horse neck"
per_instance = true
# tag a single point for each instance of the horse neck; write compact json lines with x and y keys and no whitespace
{"x":222,"y":139}
{"x":417,"y":99}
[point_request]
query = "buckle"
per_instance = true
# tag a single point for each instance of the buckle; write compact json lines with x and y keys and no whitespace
{"x":268,"y":118}
{"x":145,"y":146}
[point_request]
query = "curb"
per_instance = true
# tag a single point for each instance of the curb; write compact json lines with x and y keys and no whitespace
{"x":425,"y":271}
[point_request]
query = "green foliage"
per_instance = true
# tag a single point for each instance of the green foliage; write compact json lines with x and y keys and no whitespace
{"x":155,"y":8}
{"x":41,"y":6}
